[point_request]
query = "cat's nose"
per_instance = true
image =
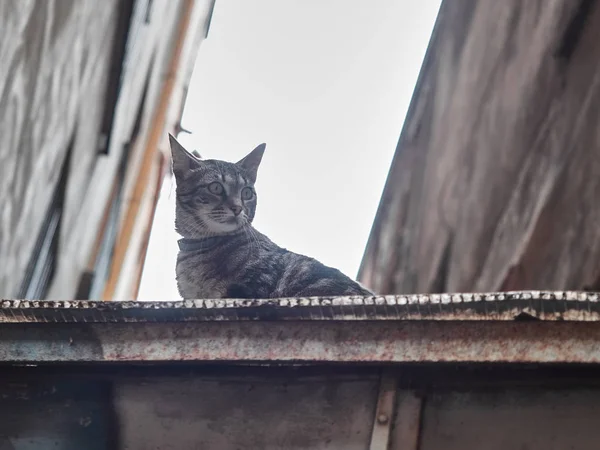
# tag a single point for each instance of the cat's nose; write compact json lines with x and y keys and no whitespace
{"x":236,"y":209}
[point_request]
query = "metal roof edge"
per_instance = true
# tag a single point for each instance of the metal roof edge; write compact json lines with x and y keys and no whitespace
{"x":283,"y":343}
{"x":496,"y":306}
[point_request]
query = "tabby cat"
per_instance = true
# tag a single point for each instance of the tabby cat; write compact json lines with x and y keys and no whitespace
{"x":221,"y":255}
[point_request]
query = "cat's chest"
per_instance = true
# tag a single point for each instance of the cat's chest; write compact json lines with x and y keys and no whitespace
{"x":196,"y":279}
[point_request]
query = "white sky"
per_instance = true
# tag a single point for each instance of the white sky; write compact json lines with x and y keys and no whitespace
{"x":326,"y":84}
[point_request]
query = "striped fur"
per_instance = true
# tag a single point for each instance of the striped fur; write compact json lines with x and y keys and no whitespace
{"x":221,"y":254}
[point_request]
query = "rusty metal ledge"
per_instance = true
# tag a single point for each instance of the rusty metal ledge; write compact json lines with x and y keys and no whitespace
{"x":542,"y":305}
{"x":303,"y":342}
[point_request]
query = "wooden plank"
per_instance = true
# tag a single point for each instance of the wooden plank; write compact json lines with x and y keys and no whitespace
{"x":156,"y":130}
{"x":148,"y":170}
{"x":163,"y":166}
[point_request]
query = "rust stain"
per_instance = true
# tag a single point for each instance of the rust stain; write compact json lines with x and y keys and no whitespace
{"x":308,"y":342}
{"x":409,"y":328}
{"x":414,"y":342}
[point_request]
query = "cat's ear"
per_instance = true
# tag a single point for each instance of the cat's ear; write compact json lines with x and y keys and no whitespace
{"x":251,"y":162}
{"x":183,"y":161}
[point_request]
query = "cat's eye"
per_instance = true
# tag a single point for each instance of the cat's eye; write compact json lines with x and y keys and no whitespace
{"x":247,"y":193}
{"x":215,"y":188}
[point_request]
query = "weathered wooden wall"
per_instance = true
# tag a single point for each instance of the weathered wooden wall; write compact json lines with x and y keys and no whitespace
{"x":66,"y":64}
{"x":55,"y":64}
{"x":149,"y":43}
{"x":496,"y":177}
{"x":174,"y":61}
{"x":143,"y":111}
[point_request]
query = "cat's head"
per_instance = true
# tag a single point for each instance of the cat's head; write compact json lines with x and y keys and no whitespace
{"x":213,"y":197}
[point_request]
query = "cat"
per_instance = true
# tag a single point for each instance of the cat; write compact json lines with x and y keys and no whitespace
{"x":221,"y":255}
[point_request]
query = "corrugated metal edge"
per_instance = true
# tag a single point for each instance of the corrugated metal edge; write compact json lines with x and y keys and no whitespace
{"x":499,"y":306}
